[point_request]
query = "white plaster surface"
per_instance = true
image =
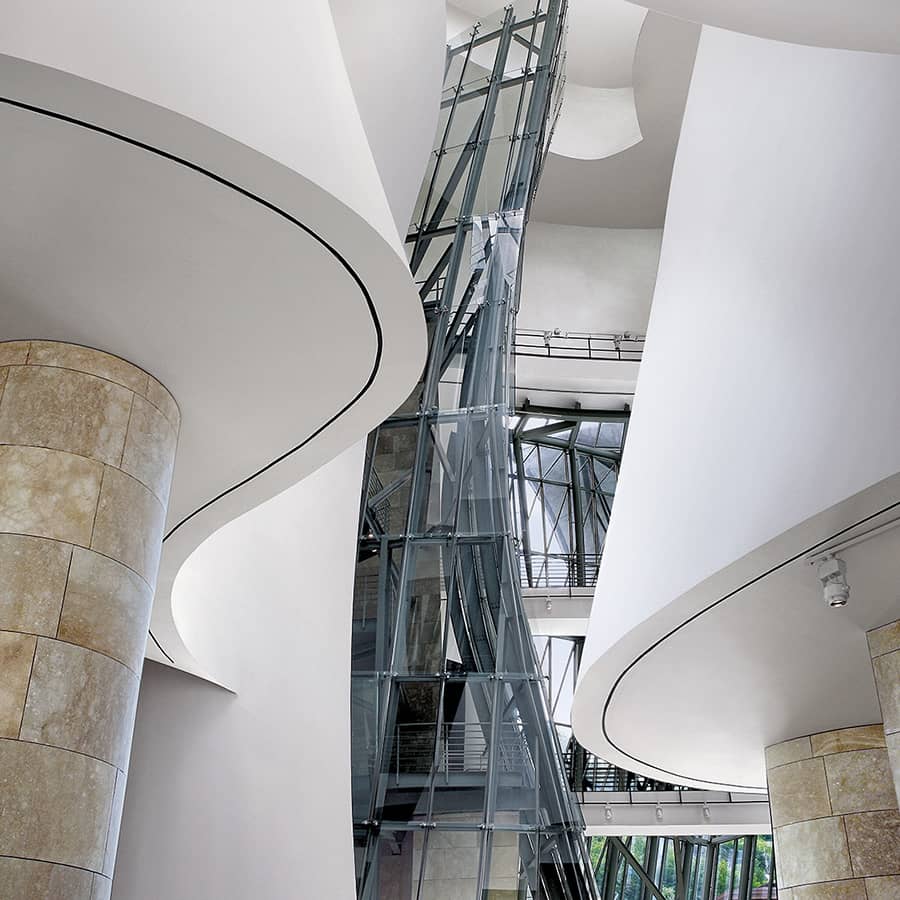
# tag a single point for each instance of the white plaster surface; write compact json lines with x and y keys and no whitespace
{"x":248,"y":795}
{"x":765,"y":418}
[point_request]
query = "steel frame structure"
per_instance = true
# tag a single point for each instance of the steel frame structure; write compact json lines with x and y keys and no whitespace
{"x":457,"y":770}
{"x":565,"y":466}
{"x":685,"y":868}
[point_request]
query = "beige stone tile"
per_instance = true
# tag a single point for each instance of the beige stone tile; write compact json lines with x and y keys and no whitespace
{"x":160,"y":397}
{"x":865,"y":737}
{"x":30,"y":879}
{"x":785,"y":893}
{"x":860,"y":781}
{"x":150,"y":448}
{"x":814,"y":851}
{"x":16,"y":654}
{"x":798,"y":792}
{"x":115,"y":822}
{"x":788,"y":752}
{"x":54,"y":805}
{"x":65,"y":410}
{"x":106,"y":608}
{"x":14,"y":353}
{"x":887,"y":679}
{"x":452,"y":863}
{"x":836,"y":890}
{"x":4,"y":374}
{"x":102,"y":888}
{"x":450,"y":889}
{"x":883,"y":888}
{"x":504,"y":864}
{"x":893,"y":742}
{"x":48,"y":493}
{"x":82,"y":701}
{"x":885,"y":639}
{"x":32,"y":581}
{"x":874,"y":841}
{"x":129,"y":524}
{"x":86,"y":359}
{"x":441,"y":839}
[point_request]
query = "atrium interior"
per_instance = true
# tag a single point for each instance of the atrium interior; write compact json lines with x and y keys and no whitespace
{"x":450,"y":451}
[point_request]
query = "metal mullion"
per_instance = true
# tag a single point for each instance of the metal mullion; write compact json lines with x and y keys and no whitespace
{"x":490,"y":807}
{"x":578,"y":516}
{"x":515,"y":130}
{"x":523,"y":509}
{"x":436,"y":272}
{"x":747,"y":867}
{"x":712,"y":866}
{"x":536,"y":434}
{"x":698,"y":854}
{"x":447,"y":127}
{"x":680,"y":875}
{"x":733,"y":869}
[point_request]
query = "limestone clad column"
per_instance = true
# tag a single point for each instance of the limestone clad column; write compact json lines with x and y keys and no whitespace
{"x":884,"y":647}
{"x":87,"y":444}
{"x":834,"y":816}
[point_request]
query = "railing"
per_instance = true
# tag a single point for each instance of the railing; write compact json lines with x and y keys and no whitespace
{"x":463,"y":747}
{"x":557,"y":344}
{"x":589,"y":773}
{"x":558,"y":570}
{"x":625,"y":347}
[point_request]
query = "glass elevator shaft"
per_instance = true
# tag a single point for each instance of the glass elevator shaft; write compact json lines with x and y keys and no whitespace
{"x":459,"y":789}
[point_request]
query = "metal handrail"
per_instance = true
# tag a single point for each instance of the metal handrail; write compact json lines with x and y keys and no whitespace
{"x":558,"y":570}
{"x":463,"y":747}
{"x":622,"y":347}
{"x":588,"y":773}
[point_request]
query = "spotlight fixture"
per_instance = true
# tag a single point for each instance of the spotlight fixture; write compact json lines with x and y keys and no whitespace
{"x":833,"y":575}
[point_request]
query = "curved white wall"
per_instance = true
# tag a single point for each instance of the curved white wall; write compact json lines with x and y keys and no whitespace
{"x":394,"y":53}
{"x":768,"y":390}
{"x":588,"y":279}
{"x":248,"y":795}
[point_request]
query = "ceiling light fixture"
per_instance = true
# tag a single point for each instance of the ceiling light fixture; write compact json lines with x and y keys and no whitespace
{"x":833,"y":575}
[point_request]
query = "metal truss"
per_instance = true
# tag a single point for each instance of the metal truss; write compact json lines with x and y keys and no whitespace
{"x":458,"y":781}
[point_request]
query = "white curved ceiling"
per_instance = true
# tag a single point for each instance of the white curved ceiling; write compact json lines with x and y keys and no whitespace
{"x":750,"y":658}
{"x":630,"y":189}
{"x":284,"y":324}
{"x":601,"y":42}
{"x":847,"y":24}
{"x":595,"y":123}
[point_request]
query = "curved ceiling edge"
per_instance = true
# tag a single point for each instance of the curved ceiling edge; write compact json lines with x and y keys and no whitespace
{"x":677,"y":776}
{"x":272,"y":207}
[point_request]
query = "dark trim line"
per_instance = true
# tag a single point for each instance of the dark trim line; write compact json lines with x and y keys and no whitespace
{"x":728,"y":596}
{"x":373,"y":312}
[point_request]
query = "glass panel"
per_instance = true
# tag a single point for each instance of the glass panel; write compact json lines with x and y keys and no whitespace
{"x":420,"y":628}
{"x":388,"y":866}
{"x":389,"y":485}
{"x":508,"y":873}
{"x":763,"y":860}
{"x":364,"y":724}
{"x":463,"y":752}
{"x":611,"y":434}
{"x":723,"y":869}
{"x":408,"y":761}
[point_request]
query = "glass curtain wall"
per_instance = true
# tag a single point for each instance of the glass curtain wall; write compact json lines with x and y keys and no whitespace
{"x":458,"y":782}
{"x":685,"y":868}
{"x":565,"y":469}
